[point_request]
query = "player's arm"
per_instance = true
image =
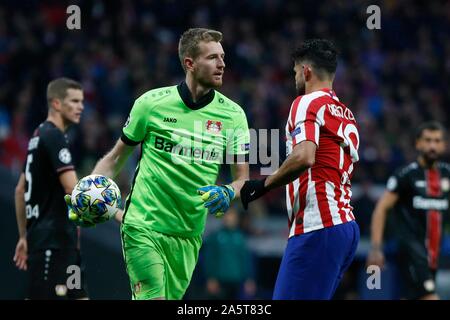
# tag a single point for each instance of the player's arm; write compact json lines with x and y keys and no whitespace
{"x":303,"y":157}
{"x":133,"y":133}
{"x":111,"y":164}
{"x":240,"y":149}
{"x":20,"y":255}
{"x":68,"y":180}
{"x":240,"y":173}
{"x":304,"y":124}
{"x":384,"y":204}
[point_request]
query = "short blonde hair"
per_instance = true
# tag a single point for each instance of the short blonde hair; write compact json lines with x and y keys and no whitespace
{"x":188,"y":45}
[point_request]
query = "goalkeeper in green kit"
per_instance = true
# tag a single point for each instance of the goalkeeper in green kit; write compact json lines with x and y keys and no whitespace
{"x":186,"y":132}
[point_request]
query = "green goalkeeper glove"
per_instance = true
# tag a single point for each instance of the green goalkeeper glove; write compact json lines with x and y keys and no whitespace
{"x":76,"y":217}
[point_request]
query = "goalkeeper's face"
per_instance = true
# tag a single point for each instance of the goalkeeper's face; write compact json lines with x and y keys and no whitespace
{"x":208,"y":67}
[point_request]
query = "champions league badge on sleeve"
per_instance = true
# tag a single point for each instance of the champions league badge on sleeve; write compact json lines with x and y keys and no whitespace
{"x":64,"y":156}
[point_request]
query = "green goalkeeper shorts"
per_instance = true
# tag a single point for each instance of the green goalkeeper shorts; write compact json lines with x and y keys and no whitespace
{"x":158,"y":265}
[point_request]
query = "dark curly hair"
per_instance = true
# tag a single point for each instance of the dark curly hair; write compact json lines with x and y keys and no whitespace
{"x":321,"y":53}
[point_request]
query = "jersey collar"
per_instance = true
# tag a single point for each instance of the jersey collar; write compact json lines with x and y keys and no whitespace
{"x":186,"y":96}
{"x":330,"y":92}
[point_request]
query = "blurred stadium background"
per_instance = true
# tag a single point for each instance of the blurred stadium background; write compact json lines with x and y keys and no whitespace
{"x":393,"y":79}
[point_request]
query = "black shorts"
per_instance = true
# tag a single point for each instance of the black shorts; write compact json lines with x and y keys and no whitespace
{"x":56,"y":274}
{"x":419,"y":279}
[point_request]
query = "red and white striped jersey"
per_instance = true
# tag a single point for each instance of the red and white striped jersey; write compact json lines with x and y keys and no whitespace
{"x":320,"y":197}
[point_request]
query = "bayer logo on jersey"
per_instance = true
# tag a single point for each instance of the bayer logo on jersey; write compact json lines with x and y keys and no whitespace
{"x":97,"y":198}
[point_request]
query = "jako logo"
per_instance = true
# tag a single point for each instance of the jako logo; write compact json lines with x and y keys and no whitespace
{"x":172,"y":120}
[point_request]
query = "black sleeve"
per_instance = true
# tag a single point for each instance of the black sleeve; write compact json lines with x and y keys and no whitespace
{"x":58,"y":150}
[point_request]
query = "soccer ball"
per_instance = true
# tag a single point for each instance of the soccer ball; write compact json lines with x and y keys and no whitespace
{"x":96,"y":198}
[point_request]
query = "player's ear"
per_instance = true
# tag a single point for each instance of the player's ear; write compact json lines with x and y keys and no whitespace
{"x":188,"y":63}
{"x":417,"y":143}
{"x":55,"y":104}
{"x":307,"y":72}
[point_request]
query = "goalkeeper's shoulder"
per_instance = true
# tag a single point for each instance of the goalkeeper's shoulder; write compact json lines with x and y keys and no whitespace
{"x":230,"y":105}
{"x":157,"y":94}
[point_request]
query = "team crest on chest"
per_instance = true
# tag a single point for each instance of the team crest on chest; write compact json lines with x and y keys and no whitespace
{"x":213,"y":126}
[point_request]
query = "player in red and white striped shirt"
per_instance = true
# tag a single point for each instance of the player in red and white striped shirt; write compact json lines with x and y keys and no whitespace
{"x":320,"y":196}
{"x":322,"y":146}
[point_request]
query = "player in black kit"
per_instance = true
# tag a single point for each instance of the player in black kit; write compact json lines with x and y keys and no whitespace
{"x":48,"y":240}
{"x":419,"y":194}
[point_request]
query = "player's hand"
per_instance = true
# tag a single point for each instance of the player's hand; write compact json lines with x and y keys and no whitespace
{"x":252,"y":190}
{"x":375,"y":257}
{"x":217,"y":199}
{"x":75,"y":216}
{"x":21,"y":254}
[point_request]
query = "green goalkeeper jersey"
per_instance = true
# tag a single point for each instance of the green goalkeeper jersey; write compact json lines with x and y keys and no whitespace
{"x":183,"y":145}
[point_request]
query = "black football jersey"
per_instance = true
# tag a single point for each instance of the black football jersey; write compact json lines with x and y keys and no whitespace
{"x":48,"y":156}
{"x":423,"y":199}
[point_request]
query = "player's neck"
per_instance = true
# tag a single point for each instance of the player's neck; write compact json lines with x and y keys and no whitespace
{"x":196,"y":89}
{"x":426,"y":164}
{"x":318,"y":85}
{"x":58,"y":121}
